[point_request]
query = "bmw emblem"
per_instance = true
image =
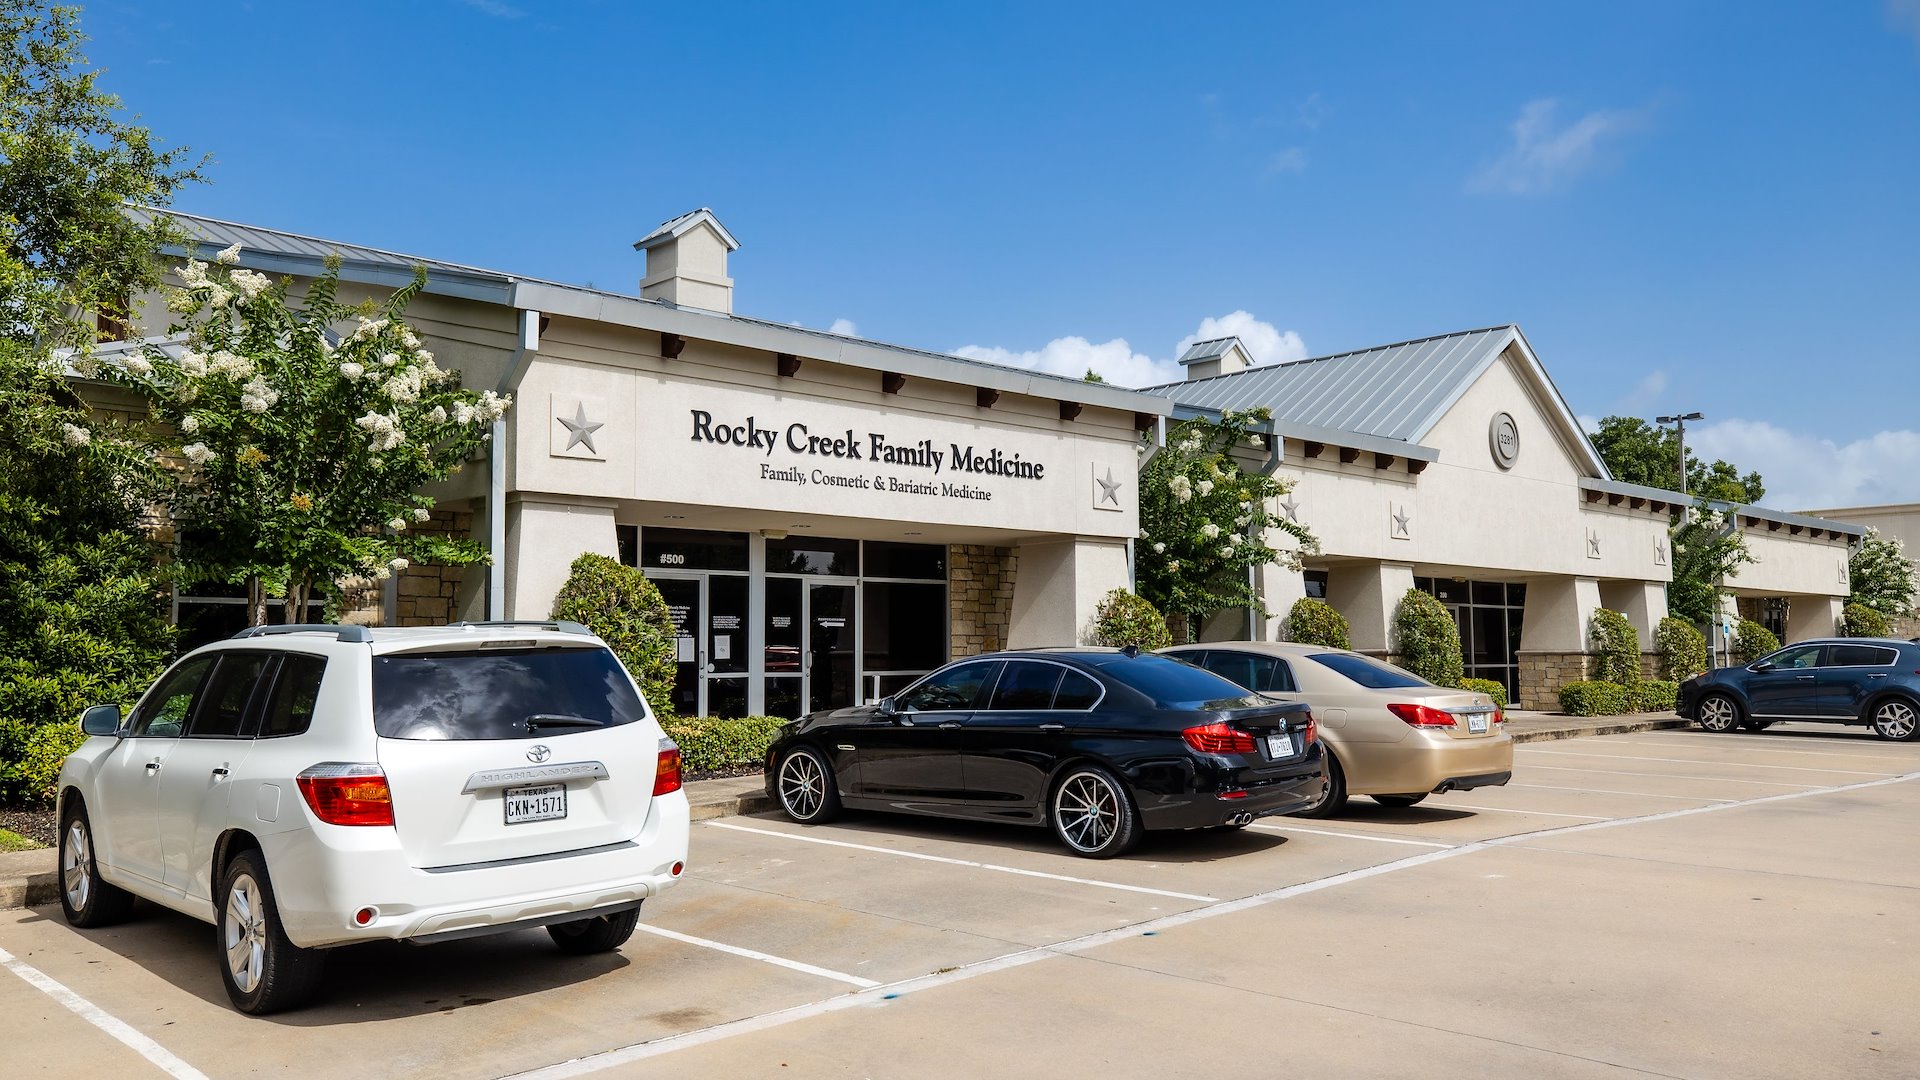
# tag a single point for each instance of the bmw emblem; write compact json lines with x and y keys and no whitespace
{"x":539,"y":754}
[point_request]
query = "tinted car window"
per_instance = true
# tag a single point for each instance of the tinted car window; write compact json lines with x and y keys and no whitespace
{"x":1076,"y":691}
{"x":1026,"y":685}
{"x":164,"y":714}
{"x":955,"y":688}
{"x":1251,"y":670}
{"x":290,"y":707}
{"x":1170,"y":682}
{"x":223,"y":704}
{"x":1860,"y":656}
{"x":495,"y":694}
{"x":1795,"y":658}
{"x":1367,"y":671}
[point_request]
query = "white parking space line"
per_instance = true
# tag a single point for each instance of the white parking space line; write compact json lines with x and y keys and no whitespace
{"x":626,"y":1055}
{"x":1746,"y":741}
{"x":1671,"y":776}
{"x":1348,"y":835}
{"x":966,"y":862}
{"x":1511,"y":810}
{"x":1609,"y":791}
{"x":752,"y":954}
{"x":1701,"y":761}
{"x":160,"y":1056}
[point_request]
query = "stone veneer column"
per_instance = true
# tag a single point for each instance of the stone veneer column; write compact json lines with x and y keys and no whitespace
{"x":979,"y":598}
{"x":1369,"y":594}
{"x":428,"y":595}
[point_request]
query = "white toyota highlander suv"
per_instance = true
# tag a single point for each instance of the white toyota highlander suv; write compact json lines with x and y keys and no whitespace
{"x":302,"y":787}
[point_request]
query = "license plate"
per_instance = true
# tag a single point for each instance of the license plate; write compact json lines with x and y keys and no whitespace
{"x":1476,"y":723}
{"x":1280,"y":746}
{"x":542,"y":802}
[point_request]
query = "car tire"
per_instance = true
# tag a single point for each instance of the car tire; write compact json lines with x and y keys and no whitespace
{"x":1896,"y":720}
{"x":86,"y":898}
{"x":1091,"y":813}
{"x":1398,"y":802}
{"x":262,"y":970}
{"x":603,"y":933}
{"x":1333,"y":797}
{"x":805,"y":786}
{"x":1718,"y":713}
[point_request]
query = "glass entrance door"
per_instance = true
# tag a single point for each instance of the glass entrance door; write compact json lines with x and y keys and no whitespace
{"x":710,"y":643}
{"x":831,"y":676}
{"x":686,"y":603}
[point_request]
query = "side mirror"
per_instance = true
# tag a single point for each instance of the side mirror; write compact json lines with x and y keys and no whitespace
{"x":1764,"y":665}
{"x":889,"y":707}
{"x":101,"y":720}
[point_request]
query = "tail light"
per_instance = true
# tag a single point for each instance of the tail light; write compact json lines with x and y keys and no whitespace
{"x":347,"y":793}
{"x":1218,"y":739}
{"x":1422,"y":715}
{"x":1312,"y":732}
{"x":1499,"y":716}
{"x":666,"y":778}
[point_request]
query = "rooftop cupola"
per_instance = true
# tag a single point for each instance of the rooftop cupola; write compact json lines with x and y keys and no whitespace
{"x":1221,"y":356}
{"x":687,"y":262}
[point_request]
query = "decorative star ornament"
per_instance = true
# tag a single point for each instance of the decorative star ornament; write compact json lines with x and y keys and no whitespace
{"x":1292,"y":509}
{"x":1109,"y":488}
{"x":580,"y":430}
{"x":1400,"y":520}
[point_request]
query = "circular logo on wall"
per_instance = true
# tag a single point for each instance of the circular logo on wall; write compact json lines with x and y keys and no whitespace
{"x":1503,"y":437}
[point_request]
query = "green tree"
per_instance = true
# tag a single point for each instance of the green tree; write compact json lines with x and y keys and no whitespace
{"x":1205,"y":521}
{"x":1881,"y":577}
{"x":309,"y":429}
{"x":618,"y":603}
{"x":1637,"y":452}
{"x":1428,"y":639}
{"x":1706,"y":546}
{"x":81,"y":613}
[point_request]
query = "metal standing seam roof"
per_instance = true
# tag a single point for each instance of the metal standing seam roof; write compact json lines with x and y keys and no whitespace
{"x":1208,"y":350}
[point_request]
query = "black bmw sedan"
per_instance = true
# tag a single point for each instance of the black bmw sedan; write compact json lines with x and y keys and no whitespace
{"x":1098,"y":744}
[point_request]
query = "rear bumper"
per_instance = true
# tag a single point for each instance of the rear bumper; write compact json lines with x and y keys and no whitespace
{"x":1204,"y":810}
{"x":1423,"y":761}
{"x":323,"y":875}
{"x":1468,"y":783}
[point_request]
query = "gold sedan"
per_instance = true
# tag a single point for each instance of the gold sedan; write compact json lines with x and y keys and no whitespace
{"x":1389,"y":734}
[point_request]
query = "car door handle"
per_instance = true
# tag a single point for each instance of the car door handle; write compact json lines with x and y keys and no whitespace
{"x":1881,"y":675}
{"x":1803,"y":678}
{"x":219,"y":770}
{"x":950,"y":726}
{"x":153,"y":766}
{"x":1053,"y":728}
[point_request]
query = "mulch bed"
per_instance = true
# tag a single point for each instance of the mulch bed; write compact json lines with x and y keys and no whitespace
{"x":38,"y":824}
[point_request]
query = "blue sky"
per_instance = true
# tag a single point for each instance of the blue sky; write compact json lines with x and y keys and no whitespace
{"x":1688,"y":206}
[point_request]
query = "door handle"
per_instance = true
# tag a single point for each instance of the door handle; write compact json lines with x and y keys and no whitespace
{"x":219,"y":770}
{"x":1803,"y":678}
{"x":1881,"y":675}
{"x":153,"y":766}
{"x":950,"y":726}
{"x":1053,"y":728}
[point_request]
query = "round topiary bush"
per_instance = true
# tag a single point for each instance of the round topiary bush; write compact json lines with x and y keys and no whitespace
{"x":1859,"y":620}
{"x":1315,"y":622}
{"x":618,"y":603}
{"x":1616,"y":645}
{"x":1124,"y":619}
{"x":1751,"y":641}
{"x":1429,"y":639}
{"x":1683,"y":650}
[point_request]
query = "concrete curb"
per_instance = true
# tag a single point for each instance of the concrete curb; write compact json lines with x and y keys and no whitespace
{"x":31,"y":878}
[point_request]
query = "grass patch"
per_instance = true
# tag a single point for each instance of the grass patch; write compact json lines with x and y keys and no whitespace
{"x":13,"y":841}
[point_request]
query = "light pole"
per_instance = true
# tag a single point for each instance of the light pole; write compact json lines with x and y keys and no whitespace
{"x":1680,"y":423}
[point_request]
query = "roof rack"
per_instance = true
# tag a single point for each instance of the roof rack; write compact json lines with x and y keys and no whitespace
{"x":564,"y":626}
{"x":345,"y":631}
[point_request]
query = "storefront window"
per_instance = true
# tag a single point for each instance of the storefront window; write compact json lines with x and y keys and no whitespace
{"x":689,"y":549}
{"x":813,"y":555}
{"x":926,"y":562}
{"x":1488,"y":614}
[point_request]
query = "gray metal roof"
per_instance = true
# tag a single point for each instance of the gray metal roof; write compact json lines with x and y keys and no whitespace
{"x":674,"y":227}
{"x":1207,"y":350}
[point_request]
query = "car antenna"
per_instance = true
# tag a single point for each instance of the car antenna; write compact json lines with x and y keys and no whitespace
{"x":1130,"y":651}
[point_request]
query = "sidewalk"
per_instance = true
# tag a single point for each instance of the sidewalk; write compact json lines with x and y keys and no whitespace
{"x":29,"y":878}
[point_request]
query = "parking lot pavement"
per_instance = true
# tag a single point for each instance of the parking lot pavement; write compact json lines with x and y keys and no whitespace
{"x":1664,"y":903}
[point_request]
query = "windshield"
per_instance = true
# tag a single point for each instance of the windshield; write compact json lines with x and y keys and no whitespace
{"x":504,"y":694}
{"x":1170,"y":682}
{"x":1368,"y":672}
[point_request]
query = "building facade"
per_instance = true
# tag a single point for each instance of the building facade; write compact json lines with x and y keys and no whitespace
{"x":1894,"y":521}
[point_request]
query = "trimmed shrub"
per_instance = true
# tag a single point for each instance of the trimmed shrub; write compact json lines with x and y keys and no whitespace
{"x":1654,"y":695}
{"x":1429,"y":639}
{"x":618,"y":603}
{"x":1124,"y":619}
{"x":1495,"y":690}
{"x":1616,"y":644}
{"x":1315,"y":622}
{"x":1751,"y":641}
{"x":712,"y":743}
{"x":1683,"y":649}
{"x":1859,"y":620}
{"x":1594,"y":698}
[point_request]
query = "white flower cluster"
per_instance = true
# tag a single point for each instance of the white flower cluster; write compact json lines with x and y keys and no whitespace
{"x":189,"y":424}
{"x":1182,"y":489}
{"x":397,"y":524}
{"x":75,"y":435}
{"x":421,"y":513}
{"x":231,"y":365}
{"x":1210,"y":530}
{"x":389,"y":359}
{"x":398,"y":565}
{"x":198,"y":453}
{"x":192,"y":363}
{"x":1189,"y":445}
{"x":229,"y":256}
{"x":257,"y":396}
{"x":438,"y":414}
{"x":1159,"y":549}
{"x":385,"y":430}
{"x":249,"y":284}
{"x":138,"y":365}
{"x":403,"y":386}
{"x":352,"y":371}
{"x":195,"y":275}
{"x":368,"y":328}
{"x":1206,"y":487}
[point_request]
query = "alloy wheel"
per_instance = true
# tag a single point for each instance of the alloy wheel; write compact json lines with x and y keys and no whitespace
{"x":802,"y":786}
{"x":243,"y":932}
{"x":1088,"y":810}
{"x":1895,"y":720}
{"x":76,"y":866}
{"x":1719,"y":714}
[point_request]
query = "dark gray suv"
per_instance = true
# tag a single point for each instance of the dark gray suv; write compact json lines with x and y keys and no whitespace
{"x":1870,"y":681}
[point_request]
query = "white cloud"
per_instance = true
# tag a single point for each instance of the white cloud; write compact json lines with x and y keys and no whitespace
{"x":1312,"y":112}
{"x":1291,"y":160}
{"x":1118,"y":362}
{"x":1805,"y":471}
{"x":1545,"y":156}
{"x":1588,"y":424}
{"x":1645,"y":394}
{"x":1904,"y":16}
{"x":495,"y":8}
{"x":844,"y":327}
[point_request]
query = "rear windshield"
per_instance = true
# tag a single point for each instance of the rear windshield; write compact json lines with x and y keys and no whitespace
{"x":504,"y":694}
{"x":1175,"y":682}
{"x":1368,"y":672}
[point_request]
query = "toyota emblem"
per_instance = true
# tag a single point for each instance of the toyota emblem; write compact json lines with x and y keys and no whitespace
{"x":539,"y":754}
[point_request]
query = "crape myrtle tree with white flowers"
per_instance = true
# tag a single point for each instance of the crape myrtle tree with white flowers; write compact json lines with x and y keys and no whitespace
{"x":307,"y":429}
{"x":1205,"y":521}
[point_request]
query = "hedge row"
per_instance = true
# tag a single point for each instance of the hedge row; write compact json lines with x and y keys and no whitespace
{"x":1597,"y":697}
{"x":713,"y":743}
